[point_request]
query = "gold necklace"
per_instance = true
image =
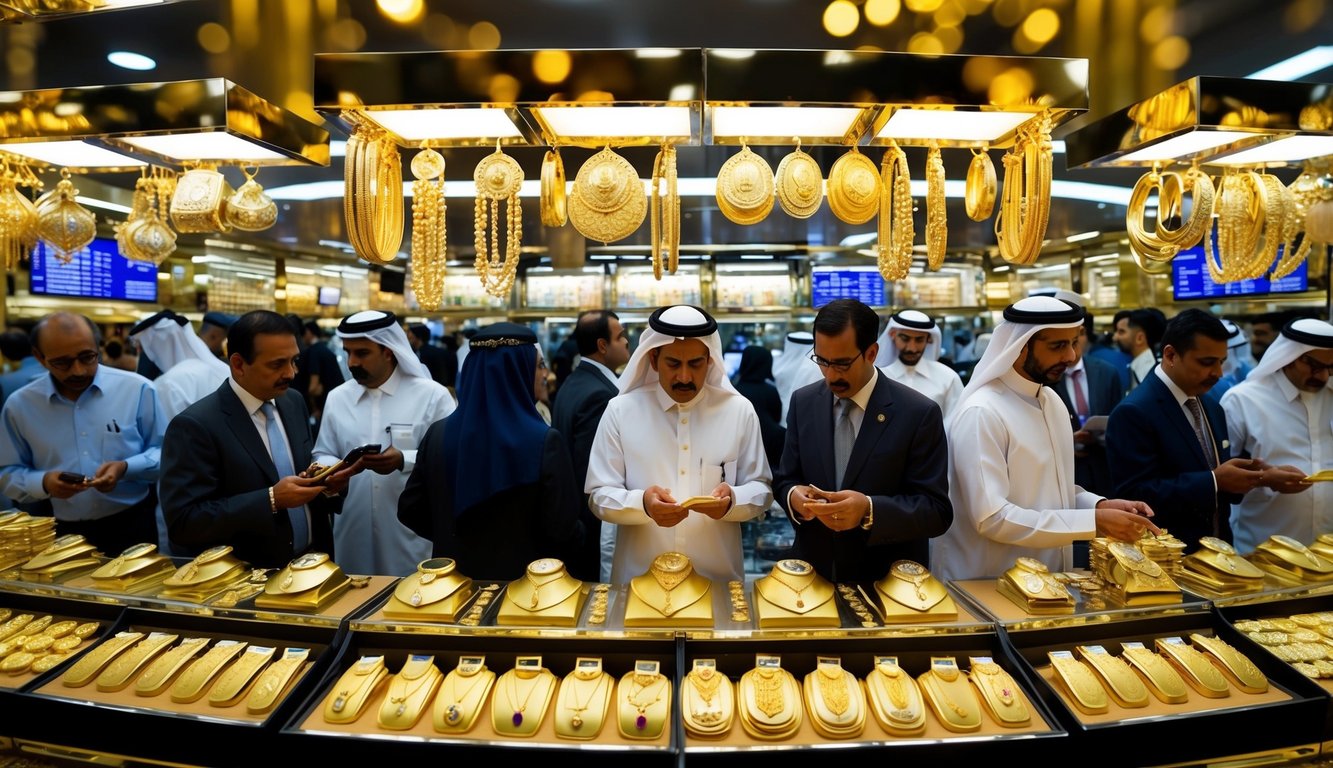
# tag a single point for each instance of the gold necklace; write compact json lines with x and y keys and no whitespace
{"x":706,"y":683}
{"x":512,"y":695}
{"x":454,"y":712}
{"x":892,"y":683}
{"x":363,"y":674}
{"x":537,"y":585}
{"x":576,"y":722}
{"x":631,"y":697}
{"x":800,"y":603}
{"x":913,"y":574}
{"x":833,"y":690}
{"x":423,"y":678}
{"x":669,"y":570}
{"x":768,"y":692}
{"x":943,"y":695}
{"x":991,"y":673}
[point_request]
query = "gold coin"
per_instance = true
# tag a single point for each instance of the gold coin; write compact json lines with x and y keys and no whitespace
{"x":5,"y":613}
{"x":800,"y":185}
{"x":49,"y":662}
{"x":608,"y":201}
{"x":853,"y":188}
{"x":1303,"y":619}
{"x":17,"y":663}
{"x":66,"y":644}
{"x":39,"y":643}
{"x":1309,"y":670}
{"x":85,"y":629}
{"x":745,"y":188}
{"x":33,"y":627}
{"x":60,"y":629}
{"x":1282,"y":625}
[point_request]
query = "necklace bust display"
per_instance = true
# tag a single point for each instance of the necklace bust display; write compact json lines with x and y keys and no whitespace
{"x":671,"y":594}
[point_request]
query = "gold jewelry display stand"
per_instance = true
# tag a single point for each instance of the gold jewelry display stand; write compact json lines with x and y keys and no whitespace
{"x":768,"y":700}
{"x":794,"y":595}
{"x":671,"y":594}
{"x":409,"y":692}
{"x":953,"y":701}
{"x":65,"y":556}
{"x":644,"y":701}
{"x":546,"y":596}
{"x":1291,"y":562}
{"x":910,"y":594}
{"x":835,"y":700}
{"x":308,"y":583}
{"x":137,"y":567}
{"x":583,"y":701}
{"x":1030,"y":585}
{"x":464,"y":690}
{"x":895,"y":698}
{"x":707,"y":700}
{"x":206,"y":575}
{"x":436,"y":592}
{"x":527,"y":691}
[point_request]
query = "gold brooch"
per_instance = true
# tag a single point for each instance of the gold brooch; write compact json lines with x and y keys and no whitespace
{"x":853,"y":188}
{"x":800,"y":184}
{"x":745,"y":188}
{"x":608,"y":202}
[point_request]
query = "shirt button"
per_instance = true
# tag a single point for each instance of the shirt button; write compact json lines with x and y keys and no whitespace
{"x":682,"y":471}
{"x":685,"y":447}
{"x":684,"y":421}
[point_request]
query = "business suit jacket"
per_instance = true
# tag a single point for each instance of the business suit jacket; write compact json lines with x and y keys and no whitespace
{"x":1155,"y":457}
{"x":1092,"y":472}
{"x":579,"y":404}
{"x":900,"y":460}
{"x":216,"y":475}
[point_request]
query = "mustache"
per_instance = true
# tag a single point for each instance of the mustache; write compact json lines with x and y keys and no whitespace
{"x":360,"y":374}
{"x":839,"y":384}
{"x":684,"y":387}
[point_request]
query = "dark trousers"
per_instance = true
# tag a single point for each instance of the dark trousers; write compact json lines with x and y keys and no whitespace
{"x":114,"y":534}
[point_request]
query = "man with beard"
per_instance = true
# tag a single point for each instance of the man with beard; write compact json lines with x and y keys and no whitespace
{"x":1137,"y":333}
{"x":1167,"y":440}
{"x":99,"y":423}
{"x":1263,"y":332}
{"x":1281,"y":412}
{"x":885,"y":492}
{"x":678,"y":431}
{"x":916,"y":340}
{"x":390,"y":401}
{"x":1011,"y":455}
{"x":230,"y":461}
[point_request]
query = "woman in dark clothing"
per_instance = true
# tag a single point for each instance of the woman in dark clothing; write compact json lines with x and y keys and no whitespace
{"x":493,"y":487}
{"x":754,"y":380}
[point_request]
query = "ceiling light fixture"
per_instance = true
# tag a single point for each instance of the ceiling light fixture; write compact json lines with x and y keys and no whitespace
{"x":1303,"y":64}
{"x":131,"y":60}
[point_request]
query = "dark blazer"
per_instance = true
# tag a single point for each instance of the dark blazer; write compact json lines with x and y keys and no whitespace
{"x":1092,"y":472}
{"x":579,"y":404}
{"x":442,"y":364}
{"x":216,"y":475}
{"x":1155,"y":457}
{"x":900,"y":460}
{"x":497,"y":538}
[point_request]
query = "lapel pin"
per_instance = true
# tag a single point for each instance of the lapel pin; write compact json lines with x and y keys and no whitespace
{"x":880,"y":418}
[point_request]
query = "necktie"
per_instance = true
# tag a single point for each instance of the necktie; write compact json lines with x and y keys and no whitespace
{"x":1200,"y":432}
{"x":1080,"y":400}
{"x":843,"y":439}
{"x":282,"y":459}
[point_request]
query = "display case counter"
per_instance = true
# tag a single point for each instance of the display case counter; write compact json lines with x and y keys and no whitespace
{"x":1287,"y":714}
{"x":984,"y":597}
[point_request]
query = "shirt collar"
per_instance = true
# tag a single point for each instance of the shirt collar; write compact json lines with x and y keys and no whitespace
{"x":1075,"y":367}
{"x":898,"y":368}
{"x":1176,"y":392}
{"x":1289,"y":390}
{"x":1020,"y":384}
{"x":391,"y":384}
{"x":251,"y":403}
{"x":665,"y":402}
{"x":49,"y":384}
{"x":862,"y":396}
{"x":607,"y":372}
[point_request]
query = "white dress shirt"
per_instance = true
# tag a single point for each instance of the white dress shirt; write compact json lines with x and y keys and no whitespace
{"x":857,"y":416}
{"x":255,"y":407}
{"x":1011,"y":480}
{"x":1140,"y":366}
{"x":1071,"y":382}
{"x":1271,"y":419}
{"x":935,"y":380}
{"x":644,"y":439}
{"x":367,"y":535}
{"x":607,"y":542}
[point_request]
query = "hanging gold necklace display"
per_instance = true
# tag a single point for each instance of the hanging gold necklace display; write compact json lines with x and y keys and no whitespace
{"x":199,"y":203}
{"x":1309,"y":194}
{"x":745,"y":188}
{"x":1164,"y":242}
{"x":249,"y":209}
{"x":553,"y":207}
{"x":429,"y":235}
{"x":145,"y":235}
{"x":372,"y":192}
{"x":979,"y":192}
{"x":1025,"y":205}
{"x":18,"y":216}
{"x":64,"y":224}
{"x":664,"y":218}
{"x":608,"y":202}
{"x":1252,"y":211}
{"x":896,"y":230}
{"x":854,"y":188}
{"x":937,"y":225}
{"x":498,"y":178}
{"x":800,"y":184}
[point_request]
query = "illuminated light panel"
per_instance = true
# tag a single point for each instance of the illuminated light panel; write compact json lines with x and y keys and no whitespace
{"x":1316,"y":59}
{"x":951,"y":126}
{"x":211,"y":145}
{"x":574,"y":122}
{"x":1186,"y":145}
{"x":1288,"y":150}
{"x":462,"y":123}
{"x":73,"y":154}
{"x":832,"y":122}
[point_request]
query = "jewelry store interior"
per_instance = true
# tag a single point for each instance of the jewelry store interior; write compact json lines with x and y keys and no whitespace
{"x":757,"y":158}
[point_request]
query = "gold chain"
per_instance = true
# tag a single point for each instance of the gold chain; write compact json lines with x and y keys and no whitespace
{"x":937,"y":226}
{"x":406,"y":693}
{"x":833,"y":689}
{"x":896,"y":230}
{"x":944,"y":695}
{"x":1025,"y":204}
{"x":577,"y":720}
{"x":512,"y":695}
{"x":768,"y":696}
{"x":372,"y":192}
{"x":429,"y":233}
{"x":916,"y":580}
{"x":992,"y":675}
{"x":498,"y":178}
{"x":454,"y":712}
{"x":895,"y":688}
{"x":800,"y":603}
{"x":706,"y":684}
{"x":632,"y":696}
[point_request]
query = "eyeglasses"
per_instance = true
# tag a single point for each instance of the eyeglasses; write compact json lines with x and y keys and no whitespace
{"x":841,"y":366}
{"x":1315,"y":366}
{"x":65,"y":363}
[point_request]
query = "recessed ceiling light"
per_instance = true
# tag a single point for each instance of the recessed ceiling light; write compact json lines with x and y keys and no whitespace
{"x":131,"y":60}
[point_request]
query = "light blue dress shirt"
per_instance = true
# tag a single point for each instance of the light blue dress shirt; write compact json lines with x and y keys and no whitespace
{"x":116,"y":418}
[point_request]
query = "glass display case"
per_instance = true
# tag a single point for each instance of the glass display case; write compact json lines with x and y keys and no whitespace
{"x":635,"y":287}
{"x":547,"y":288}
{"x":753,"y":285}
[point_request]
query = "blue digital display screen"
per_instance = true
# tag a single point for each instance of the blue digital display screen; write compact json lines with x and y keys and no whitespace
{"x":96,"y":272}
{"x":866,"y":285}
{"x":1190,"y":279}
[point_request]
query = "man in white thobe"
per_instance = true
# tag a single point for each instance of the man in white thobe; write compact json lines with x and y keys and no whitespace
{"x":391,"y":400}
{"x":190,"y":370}
{"x":1011,"y":455}
{"x":915,"y":339}
{"x":678,"y":430}
{"x":793,"y":368}
{"x":1283,"y":414}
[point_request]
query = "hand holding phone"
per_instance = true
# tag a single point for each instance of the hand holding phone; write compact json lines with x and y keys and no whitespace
{"x":321,"y":476}
{"x":73,"y":478}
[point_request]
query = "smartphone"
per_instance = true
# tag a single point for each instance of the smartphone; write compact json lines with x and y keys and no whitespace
{"x":73,"y":478}
{"x":349,"y":459}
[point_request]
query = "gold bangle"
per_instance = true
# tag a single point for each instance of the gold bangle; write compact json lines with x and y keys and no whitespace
{"x":896,"y":231}
{"x":979,"y":192}
{"x":1025,"y":204}
{"x":937,"y":227}
{"x":869,"y":519}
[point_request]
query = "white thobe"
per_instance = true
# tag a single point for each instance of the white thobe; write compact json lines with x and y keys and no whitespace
{"x":186,"y":383}
{"x":367,"y":537}
{"x":645,"y":439}
{"x":1011,"y":480}
{"x":1269,"y":418}
{"x":935,"y":380}
{"x":790,"y":376}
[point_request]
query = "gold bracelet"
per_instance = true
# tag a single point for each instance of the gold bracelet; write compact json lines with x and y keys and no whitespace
{"x":937,"y":226}
{"x":272,"y":501}
{"x":896,"y":230}
{"x":236,"y":681}
{"x":979,"y":191}
{"x":1025,"y":203}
